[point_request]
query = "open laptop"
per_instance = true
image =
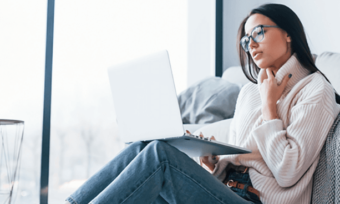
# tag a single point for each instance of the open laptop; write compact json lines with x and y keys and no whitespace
{"x":146,"y":106}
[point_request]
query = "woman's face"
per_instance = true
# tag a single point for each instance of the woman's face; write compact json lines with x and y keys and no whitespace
{"x":274,"y":50}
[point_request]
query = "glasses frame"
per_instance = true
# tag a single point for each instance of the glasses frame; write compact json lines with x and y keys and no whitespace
{"x":246,"y":47}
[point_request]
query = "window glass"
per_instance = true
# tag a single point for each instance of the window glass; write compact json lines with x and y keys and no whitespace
{"x":22,"y":68}
{"x":89,"y":37}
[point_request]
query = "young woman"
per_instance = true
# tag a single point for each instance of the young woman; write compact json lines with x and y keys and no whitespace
{"x":283,"y":117}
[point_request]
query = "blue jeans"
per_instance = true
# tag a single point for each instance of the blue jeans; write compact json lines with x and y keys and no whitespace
{"x":243,"y":178}
{"x":154,"y":172}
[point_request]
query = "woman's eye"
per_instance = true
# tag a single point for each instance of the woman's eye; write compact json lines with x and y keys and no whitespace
{"x":258,"y":29}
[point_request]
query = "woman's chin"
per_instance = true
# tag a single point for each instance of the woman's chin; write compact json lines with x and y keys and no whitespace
{"x":261,"y":64}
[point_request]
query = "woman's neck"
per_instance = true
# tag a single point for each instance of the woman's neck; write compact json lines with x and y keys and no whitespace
{"x":280,"y":62}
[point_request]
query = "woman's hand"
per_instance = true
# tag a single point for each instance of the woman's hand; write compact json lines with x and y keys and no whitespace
{"x":270,"y":93}
{"x":208,"y":161}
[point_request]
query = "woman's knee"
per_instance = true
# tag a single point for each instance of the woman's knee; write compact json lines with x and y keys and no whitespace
{"x":158,"y":143}
{"x":139,"y":145}
{"x":161,"y":146}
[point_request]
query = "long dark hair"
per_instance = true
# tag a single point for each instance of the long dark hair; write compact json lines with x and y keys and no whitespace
{"x":287,"y":20}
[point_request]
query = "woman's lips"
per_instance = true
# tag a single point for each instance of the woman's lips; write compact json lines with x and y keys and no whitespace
{"x":257,"y":56}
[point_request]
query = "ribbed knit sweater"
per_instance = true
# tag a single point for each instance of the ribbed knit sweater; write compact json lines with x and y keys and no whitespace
{"x":285,"y":151}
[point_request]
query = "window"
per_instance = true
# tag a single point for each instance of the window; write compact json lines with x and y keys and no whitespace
{"x":22,"y":65}
{"x":90,"y":36}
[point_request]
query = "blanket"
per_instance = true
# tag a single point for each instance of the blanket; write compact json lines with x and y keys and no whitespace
{"x":326,"y":184}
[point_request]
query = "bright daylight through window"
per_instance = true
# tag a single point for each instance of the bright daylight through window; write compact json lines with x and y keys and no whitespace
{"x":89,"y":36}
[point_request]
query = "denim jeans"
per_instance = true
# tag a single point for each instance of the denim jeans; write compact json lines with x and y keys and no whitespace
{"x":243,"y":178}
{"x":154,"y":172}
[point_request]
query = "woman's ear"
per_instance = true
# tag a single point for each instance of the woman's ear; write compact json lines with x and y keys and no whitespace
{"x":288,"y":38}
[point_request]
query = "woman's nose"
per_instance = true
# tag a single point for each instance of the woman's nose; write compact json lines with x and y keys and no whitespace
{"x":252,"y":43}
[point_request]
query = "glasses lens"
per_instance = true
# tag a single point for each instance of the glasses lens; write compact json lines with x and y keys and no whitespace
{"x":245,"y":43}
{"x":258,"y":34}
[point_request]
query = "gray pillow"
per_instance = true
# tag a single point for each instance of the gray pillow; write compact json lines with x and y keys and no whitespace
{"x":210,"y":100}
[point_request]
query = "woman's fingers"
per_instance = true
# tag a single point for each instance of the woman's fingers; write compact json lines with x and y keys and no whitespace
{"x":201,"y":135}
{"x":209,"y":161}
{"x":285,"y":81}
{"x":214,"y":158}
{"x":270,"y":73}
{"x":263,"y":75}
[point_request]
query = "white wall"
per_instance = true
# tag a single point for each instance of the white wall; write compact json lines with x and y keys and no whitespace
{"x":201,"y":40}
{"x":320,"y":19}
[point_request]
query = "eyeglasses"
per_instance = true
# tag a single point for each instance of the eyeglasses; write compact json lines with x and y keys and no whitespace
{"x":257,"y":34}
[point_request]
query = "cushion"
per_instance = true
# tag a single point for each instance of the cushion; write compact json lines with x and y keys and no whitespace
{"x":235,"y":75}
{"x":329,"y":64}
{"x":210,"y":100}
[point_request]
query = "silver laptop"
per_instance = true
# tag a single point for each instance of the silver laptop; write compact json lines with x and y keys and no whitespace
{"x":146,"y":106}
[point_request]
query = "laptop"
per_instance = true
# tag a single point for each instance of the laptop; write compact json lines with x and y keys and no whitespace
{"x":147,"y":108}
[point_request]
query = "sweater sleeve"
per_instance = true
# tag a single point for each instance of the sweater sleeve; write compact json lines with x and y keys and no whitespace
{"x":290,"y":152}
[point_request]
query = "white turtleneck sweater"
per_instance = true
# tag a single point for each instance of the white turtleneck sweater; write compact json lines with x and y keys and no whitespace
{"x":285,"y":151}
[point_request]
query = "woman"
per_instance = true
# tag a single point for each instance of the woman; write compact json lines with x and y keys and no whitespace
{"x":283,"y":117}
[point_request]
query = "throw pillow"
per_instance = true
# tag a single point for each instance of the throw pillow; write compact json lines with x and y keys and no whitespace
{"x":210,"y":100}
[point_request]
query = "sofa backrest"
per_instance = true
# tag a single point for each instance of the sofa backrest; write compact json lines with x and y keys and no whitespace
{"x":235,"y":75}
{"x":329,"y":64}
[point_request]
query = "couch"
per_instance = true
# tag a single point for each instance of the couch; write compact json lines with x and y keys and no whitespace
{"x":326,"y":186}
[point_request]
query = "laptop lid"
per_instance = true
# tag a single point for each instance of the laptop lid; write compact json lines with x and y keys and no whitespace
{"x":145,"y":98}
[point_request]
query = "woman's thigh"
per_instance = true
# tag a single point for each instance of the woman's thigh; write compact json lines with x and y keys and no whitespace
{"x":187,"y":182}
